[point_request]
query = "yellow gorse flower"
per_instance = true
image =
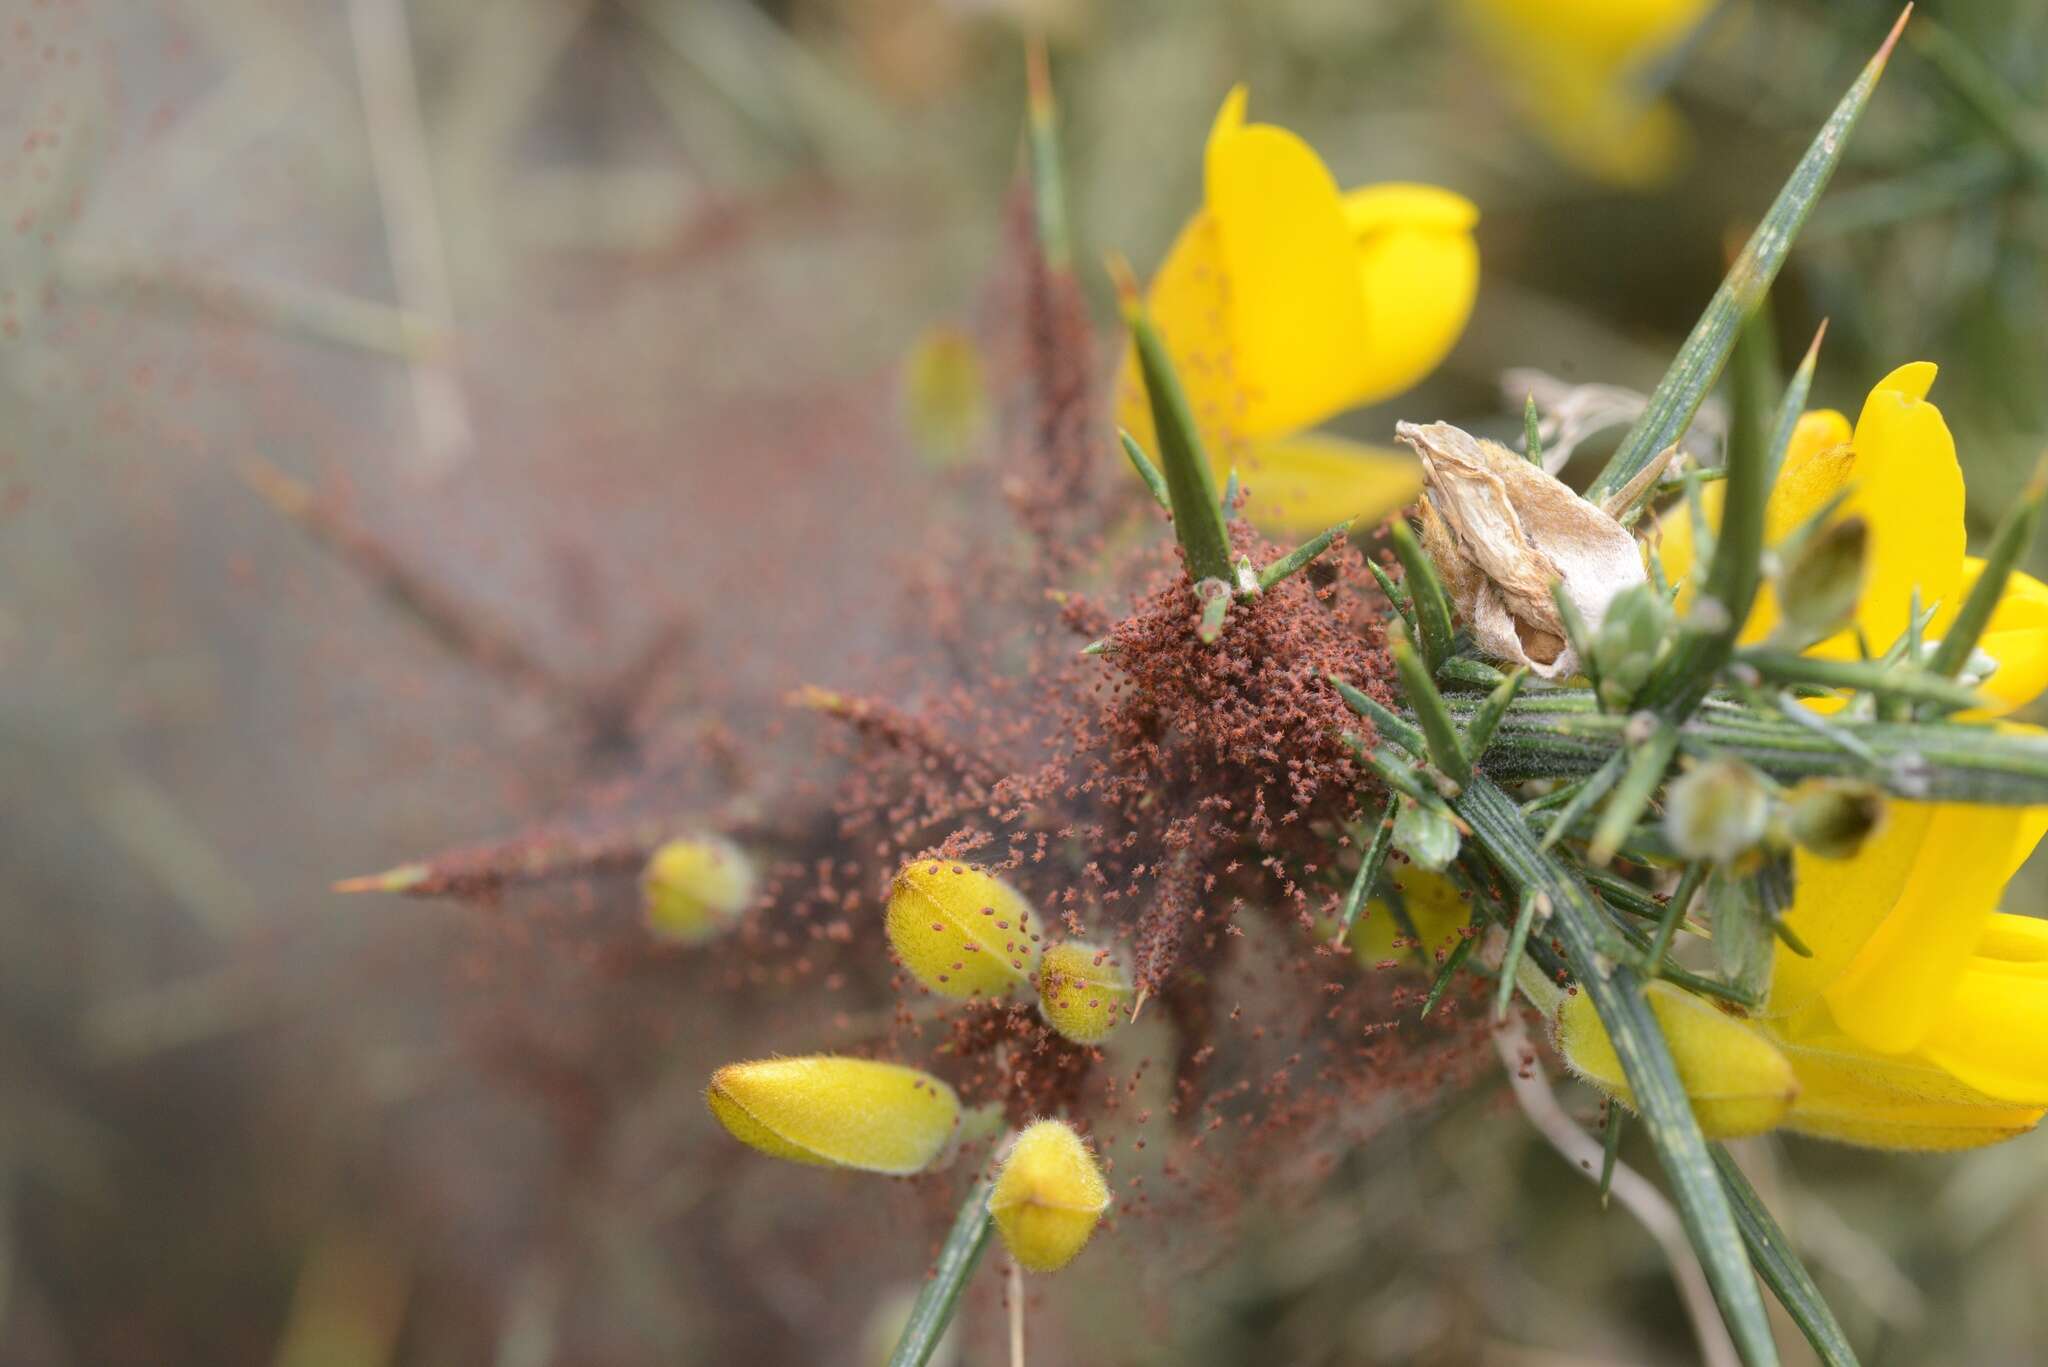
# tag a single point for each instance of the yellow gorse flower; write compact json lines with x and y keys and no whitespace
{"x":694,"y":887}
{"x":1048,"y":1196}
{"x":1920,"y":1020}
{"x":837,"y":1112}
{"x":1285,"y":301}
{"x":1574,"y":66}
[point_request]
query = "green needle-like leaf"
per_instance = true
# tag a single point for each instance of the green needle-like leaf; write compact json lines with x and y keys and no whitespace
{"x":1048,"y":185}
{"x":1590,"y":792}
{"x":1147,"y":471}
{"x":1298,"y":558}
{"x":1646,"y":767}
{"x":1532,"y":431}
{"x":1190,"y":484}
{"x":1674,"y":914}
{"x":1781,"y":1269}
{"x":940,"y":1295}
{"x":1617,"y":995}
{"x":1426,"y":591}
{"x":1754,"y":455}
{"x":1452,"y":963}
{"x":1518,"y":941}
{"x":1479,"y":731}
{"x":1369,"y":867}
{"x":1610,"y":1149}
{"x":1679,"y":394}
{"x":1390,"y":724}
{"x":1446,"y":751}
{"x":1896,"y":681}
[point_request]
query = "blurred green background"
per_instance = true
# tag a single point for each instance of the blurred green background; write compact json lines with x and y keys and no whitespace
{"x":595,"y":313}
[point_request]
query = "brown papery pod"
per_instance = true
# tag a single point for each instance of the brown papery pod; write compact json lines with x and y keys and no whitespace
{"x":1501,"y":531}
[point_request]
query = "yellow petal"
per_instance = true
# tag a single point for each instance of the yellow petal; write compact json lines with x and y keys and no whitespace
{"x":837,"y":1112}
{"x":1737,"y":1079}
{"x":1189,"y":303}
{"x":1418,"y":270}
{"x":1904,"y":977}
{"x":2016,"y":637}
{"x":1818,"y":463}
{"x":1304,"y":484}
{"x":1994,"y":1034}
{"x":1607,"y":34}
{"x":1605,"y":131}
{"x":1909,"y":489}
{"x":1893,"y":1103}
{"x":960,"y":930}
{"x":1048,"y":1197}
{"x":1435,"y":907}
{"x":1297,"y":319}
{"x":1837,"y":904}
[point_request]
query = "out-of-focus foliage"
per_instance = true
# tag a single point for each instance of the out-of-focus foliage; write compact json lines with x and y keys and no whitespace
{"x":596,"y":312}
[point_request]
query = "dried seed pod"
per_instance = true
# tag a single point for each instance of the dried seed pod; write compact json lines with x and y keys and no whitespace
{"x":960,"y":930}
{"x":1082,"y":991}
{"x":1738,"y":1081}
{"x":1048,"y":1197}
{"x":693,"y":887}
{"x":1501,"y":532}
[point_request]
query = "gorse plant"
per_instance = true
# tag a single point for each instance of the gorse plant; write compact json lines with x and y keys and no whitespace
{"x":1703,"y":765}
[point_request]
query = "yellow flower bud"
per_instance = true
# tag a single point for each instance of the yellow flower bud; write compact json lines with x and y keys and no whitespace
{"x":837,"y":1112}
{"x":1082,"y":991}
{"x":1739,"y":1082}
{"x":945,"y":397}
{"x":1048,"y":1197}
{"x":693,"y":888}
{"x":960,"y":930}
{"x":1435,"y":907}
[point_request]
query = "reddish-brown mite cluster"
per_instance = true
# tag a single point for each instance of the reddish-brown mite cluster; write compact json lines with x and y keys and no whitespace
{"x":1187,"y":804}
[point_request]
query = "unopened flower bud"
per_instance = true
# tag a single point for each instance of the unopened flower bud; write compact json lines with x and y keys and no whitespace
{"x":694,"y":887}
{"x":1082,"y":991}
{"x":1717,"y":810}
{"x":1738,"y":1081}
{"x":945,"y":396}
{"x":1425,"y":835}
{"x":1822,"y":581}
{"x":1832,"y":817}
{"x":1629,"y":643}
{"x":837,"y":1112}
{"x":1434,"y":907}
{"x":1501,"y":532}
{"x":960,"y":930}
{"x":1048,"y":1197}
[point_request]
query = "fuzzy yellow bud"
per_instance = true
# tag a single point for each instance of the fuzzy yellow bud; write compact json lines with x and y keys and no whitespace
{"x":1048,"y":1197}
{"x":837,"y":1112}
{"x":1738,"y":1081}
{"x":1082,"y":991}
{"x":960,"y":930}
{"x":694,"y":887}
